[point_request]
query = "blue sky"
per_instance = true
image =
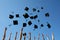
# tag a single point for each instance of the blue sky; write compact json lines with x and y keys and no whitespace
{"x":17,"y":6}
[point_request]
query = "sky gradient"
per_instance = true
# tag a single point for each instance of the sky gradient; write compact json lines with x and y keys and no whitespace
{"x":17,"y":6}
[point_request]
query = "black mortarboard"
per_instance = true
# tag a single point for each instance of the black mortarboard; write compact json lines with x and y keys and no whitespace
{"x":25,"y":15}
{"x":11,"y":16}
{"x":34,"y":9}
{"x":26,"y":8}
{"x":35,"y":16}
{"x":31,"y":17}
{"x":15,"y":22}
{"x":17,"y":15}
{"x":24,"y":34}
{"x":47,"y":15}
{"x":49,"y":26}
{"x":29,"y":22}
{"x":35,"y":26}
{"x":24,"y":24}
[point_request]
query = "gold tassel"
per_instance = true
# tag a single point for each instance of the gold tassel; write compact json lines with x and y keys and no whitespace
{"x":4,"y":34}
{"x":21,"y":34}
{"x":16,"y":35}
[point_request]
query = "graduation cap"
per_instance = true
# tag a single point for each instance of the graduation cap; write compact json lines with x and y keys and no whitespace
{"x":31,"y":17}
{"x":47,"y":15}
{"x":35,"y":26}
{"x":34,"y":9}
{"x":42,"y":8}
{"x":29,"y":22}
{"x":49,"y":26}
{"x":35,"y":16}
{"x":38,"y":10}
{"x":17,"y":15}
{"x":15,"y":22}
{"x":26,"y":9}
{"x":25,"y":15}
{"x":11,"y":16}
{"x":24,"y":34}
{"x":42,"y":25}
{"x":24,"y":24}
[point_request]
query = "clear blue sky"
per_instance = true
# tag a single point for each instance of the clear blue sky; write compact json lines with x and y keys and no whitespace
{"x":17,"y":6}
